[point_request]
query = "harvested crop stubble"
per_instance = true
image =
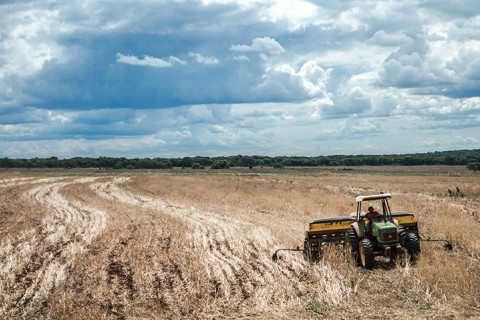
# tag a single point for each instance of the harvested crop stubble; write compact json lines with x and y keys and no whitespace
{"x":281,"y":204}
{"x":236,"y":256}
{"x":200,"y":247}
{"x":36,"y":261}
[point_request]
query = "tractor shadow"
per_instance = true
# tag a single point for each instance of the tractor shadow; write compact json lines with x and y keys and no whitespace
{"x":386,"y":265}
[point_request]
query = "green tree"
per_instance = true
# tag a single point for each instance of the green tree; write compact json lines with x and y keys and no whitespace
{"x":163,"y":164}
{"x":246,"y":161}
{"x":186,"y":162}
{"x":145,"y":164}
{"x":474,"y":166}
{"x":220,"y":164}
{"x":197,"y":165}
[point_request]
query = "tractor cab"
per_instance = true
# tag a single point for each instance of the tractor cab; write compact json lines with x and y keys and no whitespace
{"x":383,"y":227}
{"x":386,"y":213}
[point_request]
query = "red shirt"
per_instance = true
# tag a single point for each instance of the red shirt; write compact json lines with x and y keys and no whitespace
{"x":371,"y":215}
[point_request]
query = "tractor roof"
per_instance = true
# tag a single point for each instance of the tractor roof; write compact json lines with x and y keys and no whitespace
{"x":374,"y":197}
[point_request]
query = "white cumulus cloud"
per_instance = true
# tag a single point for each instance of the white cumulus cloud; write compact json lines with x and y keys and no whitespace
{"x":202,"y":59}
{"x":353,"y":129}
{"x":241,"y":58}
{"x":149,"y":61}
{"x":285,"y":81}
{"x":265,"y":44}
{"x":390,"y":39}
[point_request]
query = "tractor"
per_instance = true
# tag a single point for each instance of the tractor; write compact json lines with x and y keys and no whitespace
{"x":389,"y":234}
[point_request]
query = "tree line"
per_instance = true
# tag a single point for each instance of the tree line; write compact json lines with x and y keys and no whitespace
{"x":458,"y":157}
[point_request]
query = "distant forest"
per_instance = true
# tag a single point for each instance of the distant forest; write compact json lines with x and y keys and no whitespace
{"x":458,"y":157}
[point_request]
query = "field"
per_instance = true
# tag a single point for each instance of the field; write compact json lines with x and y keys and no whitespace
{"x":199,"y":246}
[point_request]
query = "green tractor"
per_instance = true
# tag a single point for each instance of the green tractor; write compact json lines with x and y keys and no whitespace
{"x":386,"y":234}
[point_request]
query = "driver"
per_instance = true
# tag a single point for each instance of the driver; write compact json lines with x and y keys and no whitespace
{"x":371,"y":214}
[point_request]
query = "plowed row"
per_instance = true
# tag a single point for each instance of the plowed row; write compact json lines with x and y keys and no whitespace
{"x":155,"y":247}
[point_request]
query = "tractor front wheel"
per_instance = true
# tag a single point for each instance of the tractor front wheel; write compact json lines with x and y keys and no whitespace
{"x":366,"y":253}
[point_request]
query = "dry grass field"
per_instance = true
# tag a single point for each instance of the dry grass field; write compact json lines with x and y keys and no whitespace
{"x":165,"y":246}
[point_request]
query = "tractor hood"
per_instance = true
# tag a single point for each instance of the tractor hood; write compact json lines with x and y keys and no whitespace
{"x":380,"y":225}
{"x":386,"y":232}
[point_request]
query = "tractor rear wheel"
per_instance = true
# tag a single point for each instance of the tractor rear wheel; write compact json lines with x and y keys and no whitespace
{"x":351,"y":240}
{"x":412,"y":244}
{"x":366,"y":253}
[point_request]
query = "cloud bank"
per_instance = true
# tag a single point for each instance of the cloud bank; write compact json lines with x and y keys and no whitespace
{"x":207,"y":77}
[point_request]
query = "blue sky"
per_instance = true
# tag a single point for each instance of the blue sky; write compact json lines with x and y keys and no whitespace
{"x":221,"y":77}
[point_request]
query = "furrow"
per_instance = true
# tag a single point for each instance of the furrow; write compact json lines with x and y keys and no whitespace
{"x":44,"y":256}
{"x":234,"y":257}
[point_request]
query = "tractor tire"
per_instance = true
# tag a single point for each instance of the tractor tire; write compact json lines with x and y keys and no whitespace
{"x":352,"y":240}
{"x":402,"y":234}
{"x":412,"y":244}
{"x":366,"y":253}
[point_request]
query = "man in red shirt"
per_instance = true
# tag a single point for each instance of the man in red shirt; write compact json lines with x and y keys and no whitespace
{"x":371,"y":215}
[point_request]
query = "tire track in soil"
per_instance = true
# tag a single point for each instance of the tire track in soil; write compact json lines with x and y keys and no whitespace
{"x":120,"y":277}
{"x":7,"y":182}
{"x":168,"y":281}
{"x":237,"y":257}
{"x":38,"y":260}
{"x":204,"y":235}
{"x":13,"y":182}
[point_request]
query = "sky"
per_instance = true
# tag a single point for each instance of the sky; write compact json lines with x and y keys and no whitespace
{"x":181,"y":78}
